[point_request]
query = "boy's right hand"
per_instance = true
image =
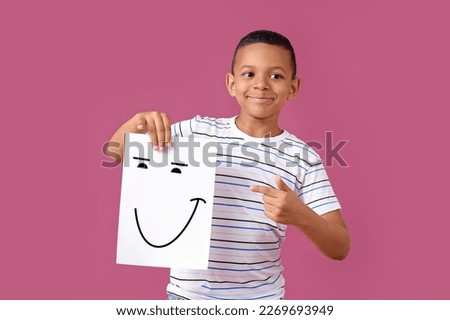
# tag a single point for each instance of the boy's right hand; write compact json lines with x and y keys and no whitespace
{"x":157,"y":124}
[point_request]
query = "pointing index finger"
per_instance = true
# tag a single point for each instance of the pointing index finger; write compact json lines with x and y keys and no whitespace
{"x":268,"y":191}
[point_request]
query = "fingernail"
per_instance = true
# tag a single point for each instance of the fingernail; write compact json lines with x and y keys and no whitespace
{"x":140,"y":127}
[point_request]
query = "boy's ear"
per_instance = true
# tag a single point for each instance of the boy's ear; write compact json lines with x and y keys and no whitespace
{"x":231,"y":84}
{"x":295,"y":87}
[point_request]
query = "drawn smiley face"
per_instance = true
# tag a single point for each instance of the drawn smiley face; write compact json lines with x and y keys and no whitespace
{"x":166,"y":203}
{"x":177,"y":169}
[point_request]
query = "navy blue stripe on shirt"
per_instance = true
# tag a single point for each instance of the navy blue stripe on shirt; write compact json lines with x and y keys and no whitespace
{"x":223,"y":282}
{"x":238,"y":227}
{"x":256,"y":298}
{"x":214,"y":136}
{"x":268,"y":171}
{"x":244,"y":263}
{"x":220,"y":126}
{"x":313,"y":189}
{"x":250,"y":222}
{"x":244,"y":287}
{"x":244,"y":270}
{"x":238,"y":205}
{"x":243,"y":178}
{"x":244,"y":249}
{"x":324,"y":204}
{"x":269,"y":152}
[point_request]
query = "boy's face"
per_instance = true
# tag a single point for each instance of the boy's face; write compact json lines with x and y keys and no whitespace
{"x":262,"y":81}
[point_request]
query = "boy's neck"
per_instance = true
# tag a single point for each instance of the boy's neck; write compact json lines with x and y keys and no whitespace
{"x":258,"y":128}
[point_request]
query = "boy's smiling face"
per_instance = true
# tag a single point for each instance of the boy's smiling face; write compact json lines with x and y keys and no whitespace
{"x":262,"y":81}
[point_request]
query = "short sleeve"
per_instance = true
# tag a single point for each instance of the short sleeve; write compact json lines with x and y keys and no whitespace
{"x":183,"y":128}
{"x":316,"y":191}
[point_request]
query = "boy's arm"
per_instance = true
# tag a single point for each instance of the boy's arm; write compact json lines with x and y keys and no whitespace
{"x":157,"y":124}
{"x":328,"y":232}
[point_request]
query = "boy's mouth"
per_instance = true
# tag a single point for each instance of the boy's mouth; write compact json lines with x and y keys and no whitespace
{"x":259,"y":99}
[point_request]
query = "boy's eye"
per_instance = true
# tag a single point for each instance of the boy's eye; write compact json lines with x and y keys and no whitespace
{"x":276,"y":76}
{"x":248,"y":74}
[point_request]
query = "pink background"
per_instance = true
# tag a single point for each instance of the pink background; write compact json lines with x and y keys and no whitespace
{"x":375,"y":73}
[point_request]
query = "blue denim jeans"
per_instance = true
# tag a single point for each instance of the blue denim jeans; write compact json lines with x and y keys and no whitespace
{"x":174,"y":297}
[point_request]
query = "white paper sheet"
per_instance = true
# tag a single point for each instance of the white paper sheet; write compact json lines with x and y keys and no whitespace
{"x":166,"y":208}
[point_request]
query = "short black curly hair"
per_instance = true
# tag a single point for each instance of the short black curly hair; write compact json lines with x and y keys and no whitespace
{"x":267,"y":37}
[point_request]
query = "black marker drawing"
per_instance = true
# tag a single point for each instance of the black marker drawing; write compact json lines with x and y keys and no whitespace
{"x":197,"y":200}
{"x":138,"y":158}
{"x":177,"y":170}
{"x":141,"y":164}
{"x":166,"y":205}
{"x":179,"y":164}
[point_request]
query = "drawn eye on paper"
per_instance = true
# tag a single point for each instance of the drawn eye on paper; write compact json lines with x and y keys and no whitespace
{"x":166,"y":207}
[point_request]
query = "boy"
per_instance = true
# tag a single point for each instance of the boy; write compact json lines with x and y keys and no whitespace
{"x":266,"y":179}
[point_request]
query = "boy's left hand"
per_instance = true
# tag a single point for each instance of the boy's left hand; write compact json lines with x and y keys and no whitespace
{"x":281,"y":205}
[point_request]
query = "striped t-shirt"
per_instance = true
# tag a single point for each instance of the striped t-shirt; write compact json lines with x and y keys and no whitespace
{"x":244,"y":259}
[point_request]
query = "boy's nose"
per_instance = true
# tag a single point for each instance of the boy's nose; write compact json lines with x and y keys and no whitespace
{"x":260,"y":83}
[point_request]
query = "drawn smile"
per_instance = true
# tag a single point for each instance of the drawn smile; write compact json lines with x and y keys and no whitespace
{"x":197,"y":200}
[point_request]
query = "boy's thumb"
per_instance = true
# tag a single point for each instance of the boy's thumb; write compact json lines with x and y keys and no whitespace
{"x":140,"y":124}
{"x":281,"y":185}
